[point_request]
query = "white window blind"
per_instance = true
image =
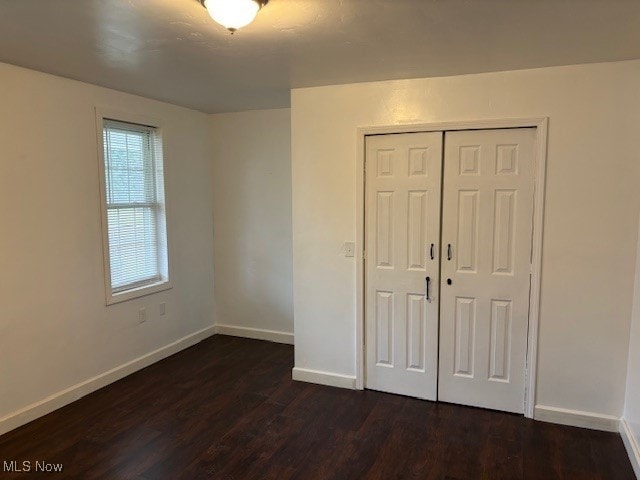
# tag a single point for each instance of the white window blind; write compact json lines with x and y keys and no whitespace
{"x":134,"y":190}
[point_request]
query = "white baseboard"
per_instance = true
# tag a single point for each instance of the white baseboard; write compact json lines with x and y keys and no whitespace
{"x":324,"y":378}
{"x":632,"y":446}
{"x":71,"y":394}
{"x":576,"y":418}
{"x":255,"y":333}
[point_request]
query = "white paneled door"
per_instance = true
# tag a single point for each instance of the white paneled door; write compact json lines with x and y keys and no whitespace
{"x":463,"y":291}
{"x":403,"y":185}
{"x":486,"y":266}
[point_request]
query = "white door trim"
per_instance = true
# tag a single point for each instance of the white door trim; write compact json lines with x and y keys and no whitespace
{"x":541,"y":125}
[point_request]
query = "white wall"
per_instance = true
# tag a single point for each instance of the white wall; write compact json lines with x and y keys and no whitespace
{"x":55,"y":330}
{"x":590,"y":224}
{"x":252,"y":226}
{"x":630,"y":427}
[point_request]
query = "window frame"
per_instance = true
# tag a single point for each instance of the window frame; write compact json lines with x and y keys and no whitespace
{"x":112,"y":297}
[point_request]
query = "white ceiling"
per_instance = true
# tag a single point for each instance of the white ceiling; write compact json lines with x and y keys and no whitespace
{"x":171,"y":49}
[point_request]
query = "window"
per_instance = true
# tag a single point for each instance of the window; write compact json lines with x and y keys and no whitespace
{"x":134,"y":221}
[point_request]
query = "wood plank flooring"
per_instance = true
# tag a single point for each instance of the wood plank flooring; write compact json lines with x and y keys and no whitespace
{"x":228,"y":409}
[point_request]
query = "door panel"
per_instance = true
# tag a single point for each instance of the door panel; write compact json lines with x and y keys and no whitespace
{"x":486,"y":228}
{"x":403,"y":195}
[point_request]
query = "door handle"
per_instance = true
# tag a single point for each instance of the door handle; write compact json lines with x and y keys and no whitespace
{"x":449,"y":251}
{"x":426,"y":295}
{"x":432,"y":251}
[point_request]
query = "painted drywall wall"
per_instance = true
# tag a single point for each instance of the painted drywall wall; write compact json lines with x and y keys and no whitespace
{"x":590,"y":225}
{"x":252,"y":220}
{"x":631,"y":416}
{"x":55,"y":330}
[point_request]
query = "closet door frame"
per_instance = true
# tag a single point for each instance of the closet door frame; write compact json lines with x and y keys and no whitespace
{"x":540,"y":165}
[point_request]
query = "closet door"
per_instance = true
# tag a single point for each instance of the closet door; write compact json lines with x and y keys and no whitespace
{"x":403,"y":179}
{"x":486,"y":257}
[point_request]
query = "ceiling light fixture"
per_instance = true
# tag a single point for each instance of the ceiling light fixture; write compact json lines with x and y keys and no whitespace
{"x":233,"y":14}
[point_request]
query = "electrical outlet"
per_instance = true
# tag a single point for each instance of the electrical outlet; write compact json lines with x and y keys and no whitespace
{"x":163,"y":308}
{"x":142,"y":315}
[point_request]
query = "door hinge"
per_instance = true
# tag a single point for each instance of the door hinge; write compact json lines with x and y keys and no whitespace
{"x":364,"y":254}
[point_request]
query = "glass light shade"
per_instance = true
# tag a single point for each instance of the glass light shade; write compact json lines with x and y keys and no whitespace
{"x":232,"y":14}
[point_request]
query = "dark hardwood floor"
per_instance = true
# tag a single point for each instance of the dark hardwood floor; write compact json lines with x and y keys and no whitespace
{"x":228,"y":409}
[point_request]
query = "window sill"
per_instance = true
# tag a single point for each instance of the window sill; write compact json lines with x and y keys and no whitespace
{"x":113,"y":298}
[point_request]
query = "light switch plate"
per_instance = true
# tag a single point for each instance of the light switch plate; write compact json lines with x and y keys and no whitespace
{"x":349,"y":249}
